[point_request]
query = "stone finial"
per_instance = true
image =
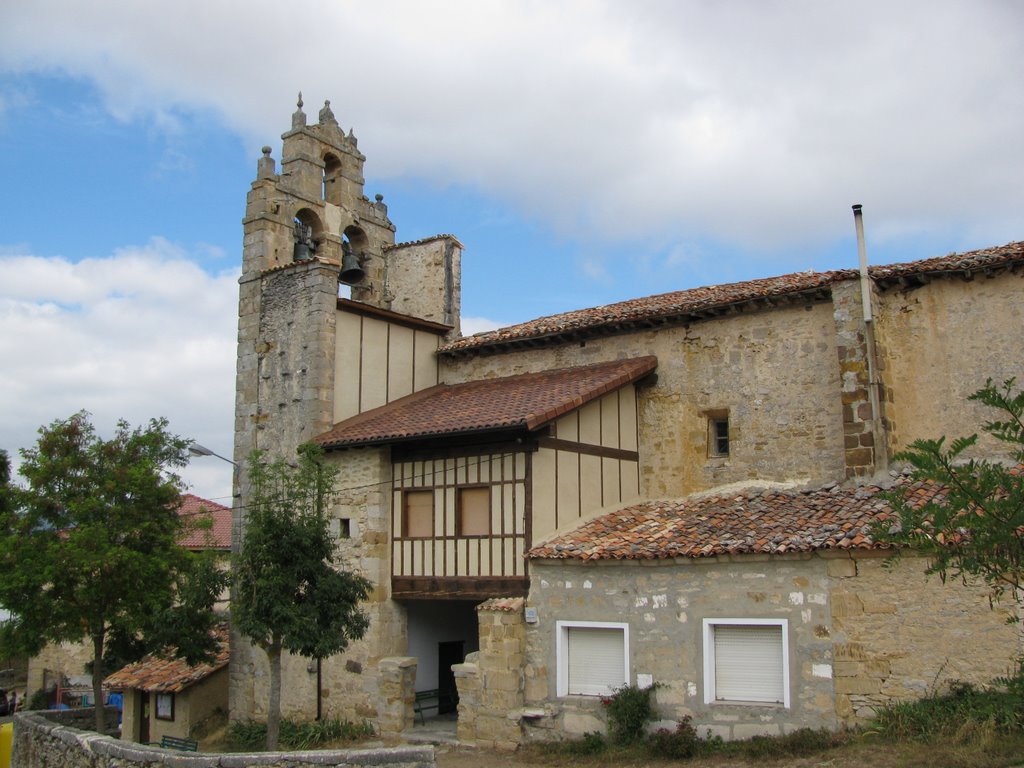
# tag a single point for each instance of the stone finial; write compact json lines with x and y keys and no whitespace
{"x":299,"y":117}
{"x":265,"y":167}
{"x":326,"y":115}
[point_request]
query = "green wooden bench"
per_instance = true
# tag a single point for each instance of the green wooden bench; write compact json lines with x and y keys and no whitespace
{"x":427,"y":700}
{"x":175,"y":742}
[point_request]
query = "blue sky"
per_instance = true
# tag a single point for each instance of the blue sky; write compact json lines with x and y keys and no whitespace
{"x":583,"y":152}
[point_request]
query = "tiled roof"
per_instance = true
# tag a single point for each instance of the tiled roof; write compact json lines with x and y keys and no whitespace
{"x":764,"y":521}
{"x":696,"y":303}
{"x":502,"y":604}
{"x":523,"y":402}
{"x":216,"y":537}
{"x":156,"y":674}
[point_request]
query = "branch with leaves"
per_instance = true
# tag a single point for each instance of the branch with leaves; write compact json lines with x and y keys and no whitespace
{"x":975,"y":529}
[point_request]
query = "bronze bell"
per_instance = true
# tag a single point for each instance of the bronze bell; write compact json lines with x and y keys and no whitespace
{"x":302,"y":252}
{"x":351,"y":270}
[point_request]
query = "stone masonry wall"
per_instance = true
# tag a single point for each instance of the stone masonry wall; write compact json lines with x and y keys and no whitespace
{"x":864,"y":434}
{"x":861,"y":634}
{"x":664,"y":603}
{"x":942,"y":341}
{"x":776,"y":372}
{"x":491,"y":681}
{"x":898,"y":634}
{"x":65,"y":659}
{"x":46,"y":742}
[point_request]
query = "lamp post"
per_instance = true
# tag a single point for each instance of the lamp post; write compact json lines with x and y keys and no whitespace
{"x":195,"y":449}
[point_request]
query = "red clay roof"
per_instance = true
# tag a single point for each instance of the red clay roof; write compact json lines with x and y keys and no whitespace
{"x":156,"y":674}
{"x":695,"y":303}
{"x":216,"y":537}
{"x":763,"y":521}
{"x":525,"y":402}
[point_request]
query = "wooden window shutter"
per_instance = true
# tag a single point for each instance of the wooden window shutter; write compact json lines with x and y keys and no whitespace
{"x":474,"y":512}
{"x":418,"y":522}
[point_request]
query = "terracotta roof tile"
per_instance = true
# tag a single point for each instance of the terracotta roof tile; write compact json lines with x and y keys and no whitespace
{"x":502,"y":604}
{"x":693,"y":303}
{"x":216,"y":537}
{"x":523,"y":402}
{"x":156,"y":674}
{"x":763,"y":521}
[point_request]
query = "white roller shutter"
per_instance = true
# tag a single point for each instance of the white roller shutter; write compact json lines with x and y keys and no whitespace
{"x":748,"y":663}
{"x":596,"y":659}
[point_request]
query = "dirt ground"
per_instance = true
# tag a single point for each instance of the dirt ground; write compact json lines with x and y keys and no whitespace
{"x":876,"y":756}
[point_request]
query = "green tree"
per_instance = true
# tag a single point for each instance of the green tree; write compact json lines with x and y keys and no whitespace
{"x":974,"y":529}
{"x":289,"y":595}
{"x":89,"y":548}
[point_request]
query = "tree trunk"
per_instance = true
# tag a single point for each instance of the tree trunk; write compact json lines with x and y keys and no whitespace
{"x":274,"y":707}
{"x":97,"y":681}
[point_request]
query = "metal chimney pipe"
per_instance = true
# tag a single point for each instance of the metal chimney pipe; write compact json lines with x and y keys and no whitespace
{"x":862,"y":254}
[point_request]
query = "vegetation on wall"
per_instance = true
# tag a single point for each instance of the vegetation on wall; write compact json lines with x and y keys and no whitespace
{"x":975,"y":529}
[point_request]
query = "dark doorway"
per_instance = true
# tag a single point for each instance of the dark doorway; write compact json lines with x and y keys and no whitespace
{"x":144,"y":717}
{"x":448,"y":653}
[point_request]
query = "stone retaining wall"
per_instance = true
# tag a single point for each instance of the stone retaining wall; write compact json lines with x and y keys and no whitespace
{"x":47,"y":741}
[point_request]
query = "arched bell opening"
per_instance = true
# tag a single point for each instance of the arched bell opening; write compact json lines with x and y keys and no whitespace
{"x":307,"y":231}
{"x":332,"y":179}
{"x":353,"y":255}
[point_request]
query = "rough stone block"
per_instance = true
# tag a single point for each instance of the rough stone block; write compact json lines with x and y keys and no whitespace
{"x":858,"y":685}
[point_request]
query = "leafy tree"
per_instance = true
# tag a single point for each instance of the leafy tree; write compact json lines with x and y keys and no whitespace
{"x":976,"y":528}
{"x":89,"y":548}
{"x":288,"y":595}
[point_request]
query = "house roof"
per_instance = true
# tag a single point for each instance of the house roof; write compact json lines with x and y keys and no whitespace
{"x":522,"y":402}
{"x":218,"y":536}
{"x":162,"y":675}
{"x":756,"y":521}
{"x":698,"y":303}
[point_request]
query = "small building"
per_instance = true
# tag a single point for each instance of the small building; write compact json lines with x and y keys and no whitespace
{"x":167,"y":697}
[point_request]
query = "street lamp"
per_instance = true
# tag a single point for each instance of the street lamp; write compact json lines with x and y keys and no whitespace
{"x":195,"y":449}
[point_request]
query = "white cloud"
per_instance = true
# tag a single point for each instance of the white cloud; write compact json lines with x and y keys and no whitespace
{"x":757,"y":124}
{"x":140,"y":334}
{"x":472,"y":325}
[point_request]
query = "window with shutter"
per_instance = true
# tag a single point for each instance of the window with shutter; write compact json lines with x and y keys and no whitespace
{"x":746,"y":660}
{"x":474,"y":512}
{"x":418,"y":517}
{"x":593,"y":657}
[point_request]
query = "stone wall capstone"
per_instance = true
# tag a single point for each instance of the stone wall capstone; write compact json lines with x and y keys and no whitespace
{"x":46,"y":741}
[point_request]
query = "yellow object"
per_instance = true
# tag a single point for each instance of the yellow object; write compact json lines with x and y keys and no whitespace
{"x":6,"y":734}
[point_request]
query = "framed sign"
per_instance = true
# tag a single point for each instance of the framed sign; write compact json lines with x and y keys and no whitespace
{"x":165,"y":706}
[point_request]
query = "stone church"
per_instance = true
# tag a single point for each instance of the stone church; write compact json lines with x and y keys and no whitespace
{"x":675,"y":489}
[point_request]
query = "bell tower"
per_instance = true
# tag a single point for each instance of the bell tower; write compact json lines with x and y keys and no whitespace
{"x":307,"y":358}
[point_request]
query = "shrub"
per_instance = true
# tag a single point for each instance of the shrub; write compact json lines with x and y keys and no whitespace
{"x":629,"y":711}
{"x":249,"y":735}
{"x":679,"y":744}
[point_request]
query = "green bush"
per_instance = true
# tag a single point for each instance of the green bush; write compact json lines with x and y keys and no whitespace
{"x":629,"y":710}
{"x":249,"y":735}
{"x":999,"y":707}
{"x":679,"y":744}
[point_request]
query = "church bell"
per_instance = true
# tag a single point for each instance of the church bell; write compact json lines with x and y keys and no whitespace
{"x":351,"y":270}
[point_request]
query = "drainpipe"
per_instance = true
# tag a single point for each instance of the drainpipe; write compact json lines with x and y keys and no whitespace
{"x":881,"y":455}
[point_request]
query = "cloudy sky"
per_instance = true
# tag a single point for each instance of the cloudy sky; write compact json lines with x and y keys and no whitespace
{"x":583,"y":151}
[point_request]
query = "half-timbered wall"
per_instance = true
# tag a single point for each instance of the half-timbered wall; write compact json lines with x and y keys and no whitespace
{"x":589,"y":462}
{"x":438,"y":528}
{"x":378,"y":361}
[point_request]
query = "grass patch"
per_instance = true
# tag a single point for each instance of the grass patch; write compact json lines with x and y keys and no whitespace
{"x":248,"y":735}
